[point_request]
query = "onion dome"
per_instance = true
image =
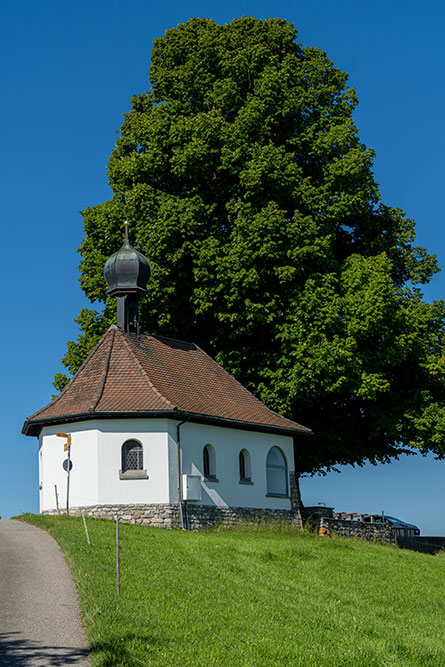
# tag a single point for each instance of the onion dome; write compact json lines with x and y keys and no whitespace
{"x":127,"y":271}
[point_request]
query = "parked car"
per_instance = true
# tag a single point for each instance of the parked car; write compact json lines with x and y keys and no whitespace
{"x":400,"y":527}
{"x":398,"y":523}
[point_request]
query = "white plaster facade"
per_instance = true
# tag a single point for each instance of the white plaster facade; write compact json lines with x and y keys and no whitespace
{"x":96,"y":457}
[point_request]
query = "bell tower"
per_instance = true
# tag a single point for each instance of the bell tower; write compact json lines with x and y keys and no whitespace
{"x":127,"y":273}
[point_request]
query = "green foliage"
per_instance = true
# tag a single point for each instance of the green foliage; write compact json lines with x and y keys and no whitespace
{"x":259,"y":596}
{"x":252,"y":196}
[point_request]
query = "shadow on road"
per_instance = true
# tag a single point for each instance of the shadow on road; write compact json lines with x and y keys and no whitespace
{"x":18,"y":652}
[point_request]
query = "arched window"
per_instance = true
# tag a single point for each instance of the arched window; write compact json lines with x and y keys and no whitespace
{"x":245,"y":474}
{"x":209,"y":462}
{"x":276,"y":472}
{"x":132,"y":456}
{"x":132,"y":461}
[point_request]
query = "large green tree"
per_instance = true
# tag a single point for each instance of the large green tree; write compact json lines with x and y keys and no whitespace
{"x":251,"y":194}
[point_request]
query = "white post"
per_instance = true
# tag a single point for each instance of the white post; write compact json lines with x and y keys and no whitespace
{"x":86,"y":529}
{"x":118,"y":573}
{"x":57,"y":499}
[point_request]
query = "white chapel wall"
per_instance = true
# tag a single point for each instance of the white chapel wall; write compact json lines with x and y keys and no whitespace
{"x":96,"y":456}
{"x":84,"y":473}
{"x":227,"y":443}
{"x":152,"y":435}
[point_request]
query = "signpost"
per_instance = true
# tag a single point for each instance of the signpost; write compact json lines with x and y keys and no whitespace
{"x":67,"y":465}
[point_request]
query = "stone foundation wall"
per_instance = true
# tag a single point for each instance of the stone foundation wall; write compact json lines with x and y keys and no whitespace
{"x":373,"y":532}
{"x":194,"y":516}
{"x":198,"y":516}
{"x":161,"y":515}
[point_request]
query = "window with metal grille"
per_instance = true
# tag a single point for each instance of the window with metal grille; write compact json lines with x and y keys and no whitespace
{"x":132,"y":456}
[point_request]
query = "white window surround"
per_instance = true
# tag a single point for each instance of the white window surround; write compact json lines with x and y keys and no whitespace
{"x":276,"y":473}
{"x":245,"y":468}
{"x":209,"y":463}
{"x":132,"y":458}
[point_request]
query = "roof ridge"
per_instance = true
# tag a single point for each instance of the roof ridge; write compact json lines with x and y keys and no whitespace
{"x":75,"y":376}
{"x":145,"y":374}
{"x":305,"y":428}
{"x":104,"y":373}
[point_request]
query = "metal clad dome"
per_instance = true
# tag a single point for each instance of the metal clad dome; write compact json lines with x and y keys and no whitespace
{"x":127,"y":271}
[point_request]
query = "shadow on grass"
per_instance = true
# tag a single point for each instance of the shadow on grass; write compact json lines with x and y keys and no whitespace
{"x":17,"y":651}
{"x":122,"y":651}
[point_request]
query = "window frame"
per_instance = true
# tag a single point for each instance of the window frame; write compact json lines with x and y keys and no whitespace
{"x":271,"y":466}
{"x":209,"y":463}
{"x":245,"y":466}
{"x":132,"y":473}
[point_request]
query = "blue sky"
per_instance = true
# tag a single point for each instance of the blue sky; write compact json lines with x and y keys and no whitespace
{"x":68,"y":71}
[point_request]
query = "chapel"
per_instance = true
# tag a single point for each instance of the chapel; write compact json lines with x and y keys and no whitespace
{"x":160,"y":434}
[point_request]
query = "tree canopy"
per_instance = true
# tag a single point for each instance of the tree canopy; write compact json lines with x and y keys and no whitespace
{"x":251,"y":194}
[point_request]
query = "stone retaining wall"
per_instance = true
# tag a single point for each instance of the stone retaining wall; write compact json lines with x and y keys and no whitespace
{"x":373,"y":532}
{"x":162,"y":515}
{"x":195,"y":516}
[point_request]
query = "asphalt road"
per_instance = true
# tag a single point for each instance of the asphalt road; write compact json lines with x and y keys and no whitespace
{"x":39,"y":613}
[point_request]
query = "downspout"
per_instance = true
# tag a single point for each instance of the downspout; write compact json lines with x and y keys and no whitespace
{"x":297,"y":492}
{"x":178,"y":447}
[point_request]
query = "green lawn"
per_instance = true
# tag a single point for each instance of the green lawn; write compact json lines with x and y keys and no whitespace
{"x":273,"y":597}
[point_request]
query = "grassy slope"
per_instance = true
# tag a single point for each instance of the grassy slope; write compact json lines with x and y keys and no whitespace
{"x":277,"y":597}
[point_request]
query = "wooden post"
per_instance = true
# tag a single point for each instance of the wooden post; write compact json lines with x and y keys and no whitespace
{"x":300,"y":520}
{"x":57,"y":499}
{"x":86,"y":529}
{"x":296,"y":501}
{"x":68,"y":482}
{"x":118,"y":573}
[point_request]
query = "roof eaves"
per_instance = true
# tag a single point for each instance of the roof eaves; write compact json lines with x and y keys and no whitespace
{"x":34,"y":426}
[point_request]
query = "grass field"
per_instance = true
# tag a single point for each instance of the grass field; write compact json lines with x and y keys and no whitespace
{"x":257,"y":596}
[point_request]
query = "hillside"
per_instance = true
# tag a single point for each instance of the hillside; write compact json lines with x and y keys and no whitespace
{"x":261,"y":596}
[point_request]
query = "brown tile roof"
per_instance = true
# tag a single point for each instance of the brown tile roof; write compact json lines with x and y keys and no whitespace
{"x":152,"y":375}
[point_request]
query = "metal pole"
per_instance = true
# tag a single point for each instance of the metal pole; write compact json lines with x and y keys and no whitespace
{"x":118,"y":572}
{"x":181,"y":518}
{"x":68,"y":484}
{"x":178,"y":450}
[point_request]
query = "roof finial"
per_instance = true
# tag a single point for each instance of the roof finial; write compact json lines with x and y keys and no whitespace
{"x":126,"y":220}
